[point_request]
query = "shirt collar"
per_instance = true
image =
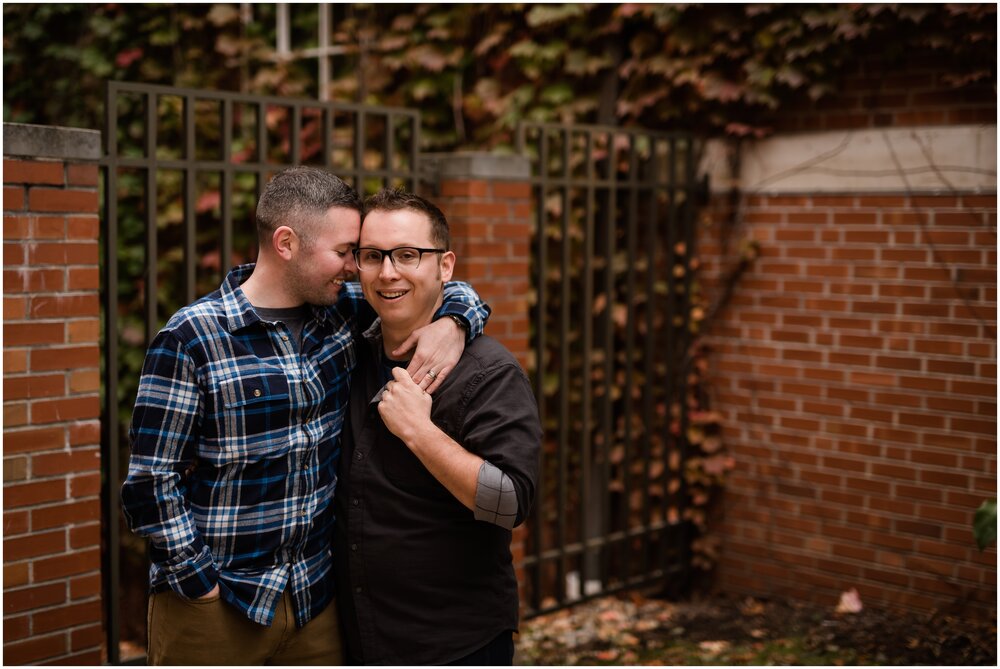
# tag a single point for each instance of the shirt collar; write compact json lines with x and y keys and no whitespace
{"x":237,"y":308}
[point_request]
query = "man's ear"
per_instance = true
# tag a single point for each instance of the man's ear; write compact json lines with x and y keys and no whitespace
{"x":447,"y":265}
{"x":285,"y":242}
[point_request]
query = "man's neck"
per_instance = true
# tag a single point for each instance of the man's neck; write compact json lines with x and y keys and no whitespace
{"x":265,"y":288}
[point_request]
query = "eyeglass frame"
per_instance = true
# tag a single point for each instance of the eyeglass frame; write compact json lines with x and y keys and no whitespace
{"x":389,"y":252}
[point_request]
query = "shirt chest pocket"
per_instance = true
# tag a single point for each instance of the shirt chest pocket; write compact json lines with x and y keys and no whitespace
{"x":253,"y":415}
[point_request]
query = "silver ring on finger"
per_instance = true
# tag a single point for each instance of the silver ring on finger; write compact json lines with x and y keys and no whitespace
{"x":432,"y":374}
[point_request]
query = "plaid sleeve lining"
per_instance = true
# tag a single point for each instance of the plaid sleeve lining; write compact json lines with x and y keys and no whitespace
{"x":496,"y":501}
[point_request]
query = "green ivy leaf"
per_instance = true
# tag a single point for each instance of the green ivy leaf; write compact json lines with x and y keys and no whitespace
{"x":984,"y":527}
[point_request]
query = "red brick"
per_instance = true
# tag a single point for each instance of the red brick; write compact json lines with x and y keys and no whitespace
{"x":67,"y":462}
{"x":61,"y":306}
{"x":36,"y":492}
{"x":14,"y":414}
{"x":84,"y":433}
{"x":49,"y":227}
{"x":70,"y":564}
{"x":87,"y":637}
{"x":66,"y":616}
{"x":83,"y":278}
{"x":64,"y":253}
{"x":32,"y":172}
{"x":474,"y":188}
{"x":56,"y":411}
{"x":35,"y":439}
{"x":82,"y":175}
{"x":65,"y":357}
{"x":82,"y":227}
{"x":33,"y":333}
{"x":35,"y":649}
{"x":15,"y":522}
{"x":85,"y":586}
{"x":26,"y":279}
{"x":62,"y":199}
{"x":17,"y":627}
{"x":28,"y":387}
{"x":24,"y":599}
{"x":65,"y":514}
{"x":88,"y":657}
{"x":14,"y":308}
{"x":83,"y":536}
{"x":13,"y":198}
{"x":16,"y":227}
{"x":86,"y":381}
{"x":14,"y":253}
{"x":511,"y":189}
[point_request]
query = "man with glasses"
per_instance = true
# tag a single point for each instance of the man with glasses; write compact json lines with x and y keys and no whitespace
{"x":236,"y":431}
{"x":429,"y":489}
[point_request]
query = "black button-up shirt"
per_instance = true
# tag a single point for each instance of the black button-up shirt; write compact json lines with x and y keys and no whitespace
{"x":419,"y":579}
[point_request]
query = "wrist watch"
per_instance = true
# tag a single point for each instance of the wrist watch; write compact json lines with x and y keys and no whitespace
{"x":458,"y":321}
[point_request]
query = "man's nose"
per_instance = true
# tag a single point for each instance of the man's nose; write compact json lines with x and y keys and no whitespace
{"x":388,"y":268}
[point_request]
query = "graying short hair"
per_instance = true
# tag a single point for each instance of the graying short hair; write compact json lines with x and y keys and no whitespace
{"x":298,"y":195}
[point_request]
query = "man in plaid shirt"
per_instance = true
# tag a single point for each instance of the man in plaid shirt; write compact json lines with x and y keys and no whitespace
{"x":235,"y":435}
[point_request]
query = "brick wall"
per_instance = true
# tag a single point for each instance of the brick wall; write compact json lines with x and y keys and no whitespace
{"x":856,"y":371}
{"x":51,"y":451}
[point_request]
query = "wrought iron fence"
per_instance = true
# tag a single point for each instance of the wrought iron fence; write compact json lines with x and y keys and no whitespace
{"x":615,"y":215}
{"x":182,"y":172}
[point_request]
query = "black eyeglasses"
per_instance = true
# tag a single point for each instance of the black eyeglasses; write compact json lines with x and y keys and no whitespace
{"x":370,"y":258}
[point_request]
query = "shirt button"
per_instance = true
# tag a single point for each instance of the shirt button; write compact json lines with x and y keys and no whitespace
{"x":355,"y":501}
{"x":256,"y":392}
{"x":354,"y":547}
{"x":358,"y":590}
{"x":283,"y":338}
{"x":358,"y":456}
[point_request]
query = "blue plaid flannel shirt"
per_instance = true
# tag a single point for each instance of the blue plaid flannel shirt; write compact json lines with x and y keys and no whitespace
{"x":235,"y":439}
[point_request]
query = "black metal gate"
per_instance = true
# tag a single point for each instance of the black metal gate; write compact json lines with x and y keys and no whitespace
{"x":614,"y":235}
{"x":182,"y":172}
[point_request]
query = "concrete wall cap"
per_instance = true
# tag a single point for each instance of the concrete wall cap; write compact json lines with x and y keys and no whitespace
{"x":922,"y":159}
{"x":26,"y":140}
{"x":475,"y":165}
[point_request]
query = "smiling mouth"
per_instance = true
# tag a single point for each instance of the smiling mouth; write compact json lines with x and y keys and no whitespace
{"x":392,"y":294}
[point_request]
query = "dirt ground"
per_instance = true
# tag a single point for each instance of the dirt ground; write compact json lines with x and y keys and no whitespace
{"x":631,"y":629}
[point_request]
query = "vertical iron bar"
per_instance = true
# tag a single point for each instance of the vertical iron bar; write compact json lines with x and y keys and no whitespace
{"x":324,"y":51}
{"x":150,"y":200}
{"x":415,"y":153}
{"x":190,"y":194}
{"x":359,"y":152}
{"x":587,"y":496}
{"x":226,"y":252}
{"x":540,"y":332}
{"x":328,"y":120}
{"x":262,"y":132}
{"x":607,"y":418}
{"x":295,"y":136}
{"x":111,"y":570}
{"x":629,"y":350}
{"x":672,"y":441}
{"x":651,"y":380}
{"x":688,"y":218}
{"x":564,"y":360}
{"x":388,"y":153}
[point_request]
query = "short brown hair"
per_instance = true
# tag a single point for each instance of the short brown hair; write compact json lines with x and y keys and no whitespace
{"x":395,"y":199}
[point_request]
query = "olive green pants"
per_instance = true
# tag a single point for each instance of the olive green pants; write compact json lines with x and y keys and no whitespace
{"x":200,"y":632}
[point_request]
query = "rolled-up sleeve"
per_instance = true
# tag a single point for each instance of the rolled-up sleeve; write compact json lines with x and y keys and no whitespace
{"x":500,"y":424}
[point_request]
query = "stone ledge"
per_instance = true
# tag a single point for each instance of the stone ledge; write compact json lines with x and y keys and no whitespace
{"x":23,"y":140}
{"x":474,"y":165}
{"x":914,"y":160}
